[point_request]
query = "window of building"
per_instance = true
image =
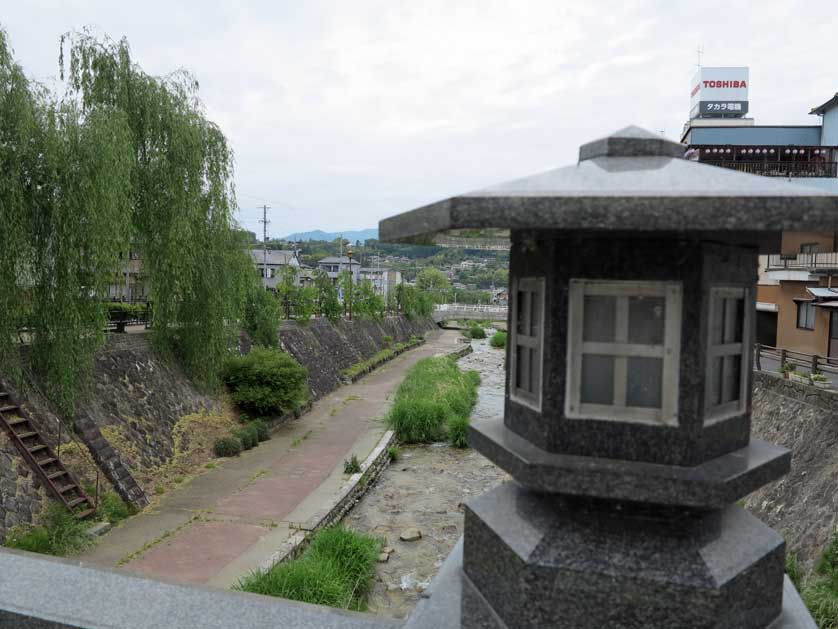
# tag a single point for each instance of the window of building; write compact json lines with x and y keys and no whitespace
{"x":727,"y":354}
{"x":624,"y":344}
{"x":527,"y":341}
{"x":809,"y":247}
{"x":806,"y":315}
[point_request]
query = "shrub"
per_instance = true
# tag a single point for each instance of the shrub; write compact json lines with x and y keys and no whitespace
{"x":433,"y":394}
{"x":227,"y":446}
{"x":476,"y":332}
{"x":336,"y":570}
{"x":387,"y":339}
{"x":352,"y":466}
{"x":248,"y":437}
{"x":393,"y":452}
{"x":59,"y":533}
{"x":498,"y":339}
{"x":458,"y":431}
{"x":266,"y":381}
{"x":113,"y":509}
{"x":261,"y":429}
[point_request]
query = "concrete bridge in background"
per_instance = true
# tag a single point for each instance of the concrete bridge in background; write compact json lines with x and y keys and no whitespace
{"x":462,"y":312}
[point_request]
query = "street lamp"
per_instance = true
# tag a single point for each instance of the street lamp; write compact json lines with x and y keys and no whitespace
{"x":349,"y":255}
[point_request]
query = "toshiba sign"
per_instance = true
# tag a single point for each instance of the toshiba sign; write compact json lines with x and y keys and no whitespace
{"x":719,"y":93}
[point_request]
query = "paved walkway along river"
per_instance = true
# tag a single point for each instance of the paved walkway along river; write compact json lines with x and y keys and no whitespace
{"x":227,"y":521}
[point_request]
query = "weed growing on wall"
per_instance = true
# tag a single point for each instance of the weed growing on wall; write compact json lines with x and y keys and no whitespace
{"x":58,"y":533}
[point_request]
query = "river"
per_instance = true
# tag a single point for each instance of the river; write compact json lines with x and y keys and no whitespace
{"x":425,"y":489}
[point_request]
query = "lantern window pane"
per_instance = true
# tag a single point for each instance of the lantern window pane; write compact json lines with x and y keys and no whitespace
{"x":645,"y":382}
{"x":729,"y":336}
{"x":623,"y":349}
{"x":599,"y":324}
{"x":646,"y":320}
{"x":526,"y":341}
{"x":597,"y":379}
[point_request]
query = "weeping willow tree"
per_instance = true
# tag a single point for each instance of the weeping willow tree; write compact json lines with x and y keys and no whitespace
{"x":181,"y":197}
{"x":121,"y":160}
{"x":64,"y":194}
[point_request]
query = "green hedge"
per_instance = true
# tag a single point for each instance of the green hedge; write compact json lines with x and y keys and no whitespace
{"x":266,"y":381}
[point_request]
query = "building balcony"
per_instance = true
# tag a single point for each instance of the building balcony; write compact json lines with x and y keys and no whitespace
{"x":779,"y":169}
{"x":808,"y":262}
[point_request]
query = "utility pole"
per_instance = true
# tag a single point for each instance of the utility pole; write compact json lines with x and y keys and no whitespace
{"x":264,"y":220}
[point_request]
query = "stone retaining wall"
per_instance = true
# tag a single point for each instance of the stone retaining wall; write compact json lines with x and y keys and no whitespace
{"x":22,"y":496}
{"x":327,"y":349}
{"x":803,"y":505}
{"x":136,"y":399}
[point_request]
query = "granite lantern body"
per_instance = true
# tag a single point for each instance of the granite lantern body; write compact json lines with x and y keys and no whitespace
{"x":627,"y":412}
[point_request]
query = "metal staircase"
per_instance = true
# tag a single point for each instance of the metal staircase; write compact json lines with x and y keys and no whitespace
{"x":41,"y":458}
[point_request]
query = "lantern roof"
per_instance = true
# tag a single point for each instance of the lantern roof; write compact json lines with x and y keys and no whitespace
{"x":631,"y":181}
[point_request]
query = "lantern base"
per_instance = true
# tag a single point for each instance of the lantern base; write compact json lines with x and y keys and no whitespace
{"x":710,"y":485}
{"x":542,"y":560}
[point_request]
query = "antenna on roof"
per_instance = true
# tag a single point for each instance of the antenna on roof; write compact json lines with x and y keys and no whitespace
{"x":700,"y":52}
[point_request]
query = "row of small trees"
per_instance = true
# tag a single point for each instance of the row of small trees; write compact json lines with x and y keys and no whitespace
{"x":264,"y":309}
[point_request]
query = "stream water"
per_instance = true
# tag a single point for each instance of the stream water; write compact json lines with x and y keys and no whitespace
{"x":426,"y":489}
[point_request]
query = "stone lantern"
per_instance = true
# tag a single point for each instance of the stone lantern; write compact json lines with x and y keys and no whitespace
{"x":627,"y":411}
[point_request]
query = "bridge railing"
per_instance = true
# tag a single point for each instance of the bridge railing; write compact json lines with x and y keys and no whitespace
{"x":471,"y":308}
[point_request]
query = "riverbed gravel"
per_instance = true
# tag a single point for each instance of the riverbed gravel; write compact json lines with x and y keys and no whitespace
{"x":425,"y":489}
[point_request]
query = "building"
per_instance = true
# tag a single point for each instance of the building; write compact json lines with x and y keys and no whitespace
{"x":793,"y":309}
{"x":384,"y":280}
{"x":131,"y":284}
{"x":270,"y":263}
{"x":335,"y":265}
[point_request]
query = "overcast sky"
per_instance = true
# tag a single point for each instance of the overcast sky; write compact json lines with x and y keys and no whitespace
{"x":343,"y":112}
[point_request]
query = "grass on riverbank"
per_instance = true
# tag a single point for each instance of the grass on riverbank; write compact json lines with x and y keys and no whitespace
{"x":60,"y":534}
{"x":335,"y":570}
{"x":433,"y":402}
{"x":498,"y":339}
{"x":379,"y":357}
{"x":820,"y":590}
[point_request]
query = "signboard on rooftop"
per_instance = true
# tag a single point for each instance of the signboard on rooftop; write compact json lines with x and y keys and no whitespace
{"x":719,"y":93}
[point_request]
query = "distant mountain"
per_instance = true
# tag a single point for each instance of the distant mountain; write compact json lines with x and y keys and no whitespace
{"x":351,"y":236}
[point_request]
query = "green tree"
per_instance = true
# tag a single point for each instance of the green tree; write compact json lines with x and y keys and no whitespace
{"x":261,"y":315}
{"x":306,"y":304}
{"x":65,"y":176}
{"x":327,"y":301}
{"x":432,"y":279}
{"x":287,"y":291}
{"x":348,"y":290}
{"x":368,"y":305}
{"x":181,"y":199}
